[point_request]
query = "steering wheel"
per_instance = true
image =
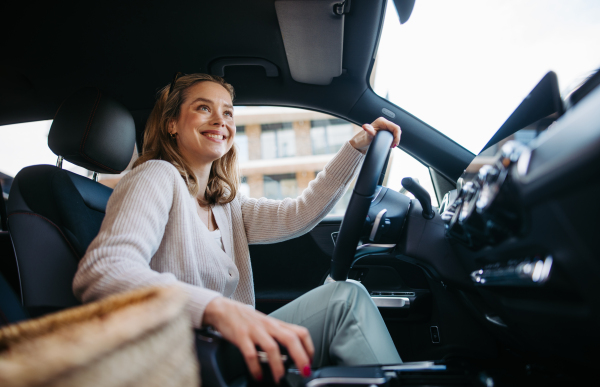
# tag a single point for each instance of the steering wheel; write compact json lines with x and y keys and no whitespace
{"x":358,"y":208}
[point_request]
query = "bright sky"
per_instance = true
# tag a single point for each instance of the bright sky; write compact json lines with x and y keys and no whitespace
{"x":27,"y":144}
{"x":461,"y":66}
{"x":464,"y":66}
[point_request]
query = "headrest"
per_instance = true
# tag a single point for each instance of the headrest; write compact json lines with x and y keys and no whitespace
{"x":93,"y":131}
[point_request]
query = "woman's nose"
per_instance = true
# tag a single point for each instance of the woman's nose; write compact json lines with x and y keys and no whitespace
{"x":218,"y":120}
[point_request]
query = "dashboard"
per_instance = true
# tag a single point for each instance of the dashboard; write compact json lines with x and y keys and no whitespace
{"x":523,"y":225}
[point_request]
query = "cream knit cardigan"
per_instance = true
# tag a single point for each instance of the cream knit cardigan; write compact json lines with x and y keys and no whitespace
{"x":152,"y":234}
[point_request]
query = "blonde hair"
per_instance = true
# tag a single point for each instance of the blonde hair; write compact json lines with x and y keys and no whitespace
{"x":223,"y":181}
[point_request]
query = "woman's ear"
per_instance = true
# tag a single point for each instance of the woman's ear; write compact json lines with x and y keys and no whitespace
{"x":171,"y":125}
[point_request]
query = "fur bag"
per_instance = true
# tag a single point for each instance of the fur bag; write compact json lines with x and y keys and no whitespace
{"x":139,"y":338}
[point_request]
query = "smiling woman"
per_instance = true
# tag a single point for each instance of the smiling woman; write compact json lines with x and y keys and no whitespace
{"x":164,"y":217}
{"x":191,"y":131}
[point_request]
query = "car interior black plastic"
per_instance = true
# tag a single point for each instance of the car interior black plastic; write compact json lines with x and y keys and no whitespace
{"x":218,"y":66}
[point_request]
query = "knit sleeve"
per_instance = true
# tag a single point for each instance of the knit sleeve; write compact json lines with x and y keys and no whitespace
{"x":118,"y":259}
{"x":271,"y":221}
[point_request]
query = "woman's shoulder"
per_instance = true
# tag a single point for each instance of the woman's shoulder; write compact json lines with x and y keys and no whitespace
{"x":155,"y":166}
{"x":151,"y":172}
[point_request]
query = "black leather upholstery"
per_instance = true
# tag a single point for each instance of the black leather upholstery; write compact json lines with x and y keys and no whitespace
{"x":93,"y":131}
{"x":3,"y":225}
{"x":10,"y":309}
{"x":53,"y":214}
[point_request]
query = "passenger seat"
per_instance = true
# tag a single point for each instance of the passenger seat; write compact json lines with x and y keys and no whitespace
{"x":54,"y":214}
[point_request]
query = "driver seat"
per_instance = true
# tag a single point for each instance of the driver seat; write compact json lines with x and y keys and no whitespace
{"x":53,"y":214}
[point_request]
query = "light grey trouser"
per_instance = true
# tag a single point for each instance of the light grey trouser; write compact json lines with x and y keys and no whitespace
{"x":344,"y":323}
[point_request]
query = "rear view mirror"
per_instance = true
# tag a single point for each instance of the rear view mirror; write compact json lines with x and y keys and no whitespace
{"x":404,"y":9}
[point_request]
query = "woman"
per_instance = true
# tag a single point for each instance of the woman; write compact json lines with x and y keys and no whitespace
{"x":178,"y":217}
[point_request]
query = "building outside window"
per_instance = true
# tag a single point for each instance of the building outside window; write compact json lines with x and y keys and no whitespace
{"x":244,"y":187}
{"x":241,"y":141}
{"x":278,"y":140}
{"x":327,"y":136}
{"x":280,"y":186}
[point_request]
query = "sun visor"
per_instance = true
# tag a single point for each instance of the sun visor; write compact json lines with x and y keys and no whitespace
{"x":313,"y":36}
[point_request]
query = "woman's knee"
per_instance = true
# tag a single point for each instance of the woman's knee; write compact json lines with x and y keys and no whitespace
{"x":350,"y":291}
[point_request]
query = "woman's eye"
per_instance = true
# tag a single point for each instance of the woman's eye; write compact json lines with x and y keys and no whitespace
{"x":203,"y":107}
{"x":230,"y":114}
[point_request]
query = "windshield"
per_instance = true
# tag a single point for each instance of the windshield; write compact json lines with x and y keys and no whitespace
{"x":463,"y":67}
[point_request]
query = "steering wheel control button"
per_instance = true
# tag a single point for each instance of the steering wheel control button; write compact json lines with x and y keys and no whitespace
{"x":435,"y":334}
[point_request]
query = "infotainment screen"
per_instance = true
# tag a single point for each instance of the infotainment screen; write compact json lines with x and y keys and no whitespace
{"x":535,"y":114}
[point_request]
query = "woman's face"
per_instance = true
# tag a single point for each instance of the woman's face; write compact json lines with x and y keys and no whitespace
{"x":205,"y":128}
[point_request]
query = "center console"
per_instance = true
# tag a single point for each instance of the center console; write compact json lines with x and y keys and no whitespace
{"x":222,"y":366}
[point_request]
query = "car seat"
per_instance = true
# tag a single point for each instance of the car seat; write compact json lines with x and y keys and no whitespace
{"x":8,"y":264}
{"x":54,"y":214}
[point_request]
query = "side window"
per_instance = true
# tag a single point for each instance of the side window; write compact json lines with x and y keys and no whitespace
{"x":283,"y":149}
{"x":401,"y":165}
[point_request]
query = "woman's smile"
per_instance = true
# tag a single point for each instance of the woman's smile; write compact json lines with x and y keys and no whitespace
{"x":214,"y":135}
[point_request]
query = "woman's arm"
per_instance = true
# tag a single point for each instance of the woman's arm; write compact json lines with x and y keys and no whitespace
{"x":271,"y":221}
{"x":118,"y":258}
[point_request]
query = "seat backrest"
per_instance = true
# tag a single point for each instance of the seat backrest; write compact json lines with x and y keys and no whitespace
{"x":54,"y":214}
{"x":8,"y":264}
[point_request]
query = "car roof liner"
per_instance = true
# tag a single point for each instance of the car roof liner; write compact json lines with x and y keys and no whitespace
{"x":130,"y":49}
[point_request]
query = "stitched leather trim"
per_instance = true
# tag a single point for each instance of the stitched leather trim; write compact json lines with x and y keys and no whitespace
{"x":61,"y":105}
{"x":55,"y":226}
{"x":90,"y":120}
{"x":87,"y":131}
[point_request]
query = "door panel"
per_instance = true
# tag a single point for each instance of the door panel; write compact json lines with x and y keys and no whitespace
{"x":286,"y":270}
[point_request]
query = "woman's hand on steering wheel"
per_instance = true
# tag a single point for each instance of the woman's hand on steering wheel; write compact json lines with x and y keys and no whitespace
{"x":362,"y":140}
{"x":247,"y":328}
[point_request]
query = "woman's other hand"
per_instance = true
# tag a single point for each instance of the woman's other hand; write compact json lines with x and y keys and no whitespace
{"x":247,"y":328}
{"x":362,"y":140}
